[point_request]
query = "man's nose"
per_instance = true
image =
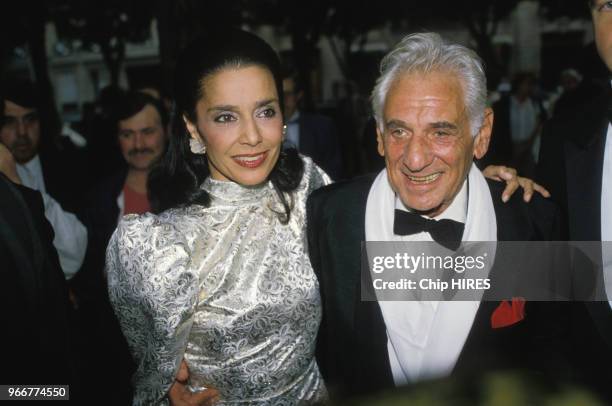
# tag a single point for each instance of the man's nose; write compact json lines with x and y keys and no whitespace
{"x":417,"y":153}
{"x":139,"y":141}
{"x":21,"y":127}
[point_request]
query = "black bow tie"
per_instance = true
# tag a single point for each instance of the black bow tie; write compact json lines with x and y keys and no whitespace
{"x":445,"y":232}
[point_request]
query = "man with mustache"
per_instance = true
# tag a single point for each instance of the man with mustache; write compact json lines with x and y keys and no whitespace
{"x":41,"y":166}
{"x":141,"y":132}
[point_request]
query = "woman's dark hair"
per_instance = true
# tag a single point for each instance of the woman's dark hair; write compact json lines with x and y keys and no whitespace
{"x":176,"y":181}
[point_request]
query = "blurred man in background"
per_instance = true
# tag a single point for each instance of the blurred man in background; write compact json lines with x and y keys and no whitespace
{"x":42,"y":167}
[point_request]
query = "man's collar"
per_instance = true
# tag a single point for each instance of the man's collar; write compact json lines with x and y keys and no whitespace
{"x":33,"y":164}
{"x":456,"y":211}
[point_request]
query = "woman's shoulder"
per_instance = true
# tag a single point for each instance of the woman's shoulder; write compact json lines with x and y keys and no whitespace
{"x":148,"y":236}
{"x":144,"y":226}
{"x":314,"y":177}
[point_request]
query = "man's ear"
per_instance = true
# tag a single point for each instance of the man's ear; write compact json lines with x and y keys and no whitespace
{"x":191,"y":128}
{"x":482,"y":140}
{"x":379,"y":141}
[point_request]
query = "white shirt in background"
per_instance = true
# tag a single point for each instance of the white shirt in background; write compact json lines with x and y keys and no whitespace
{"x":70,"y":239}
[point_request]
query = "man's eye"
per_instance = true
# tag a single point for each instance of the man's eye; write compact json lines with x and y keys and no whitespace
{"x":224,"y":118}
{"x":9,"y":120}
{"x":125,"y":135}
{"x":398,"y":132}
{"x":30,"y":118}
{"x":441,"y":134}
{"x":267,"y":113}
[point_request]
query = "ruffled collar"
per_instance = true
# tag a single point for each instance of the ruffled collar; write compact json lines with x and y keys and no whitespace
{"x":224,"y":192}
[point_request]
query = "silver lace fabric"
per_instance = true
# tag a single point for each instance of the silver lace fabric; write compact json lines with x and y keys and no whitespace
{"x":227,"y":287}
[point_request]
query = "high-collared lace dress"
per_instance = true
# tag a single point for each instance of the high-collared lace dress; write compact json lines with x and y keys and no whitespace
{"x":228,"y":288}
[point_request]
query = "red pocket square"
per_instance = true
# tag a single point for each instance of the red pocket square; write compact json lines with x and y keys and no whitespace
{"x":508,"y":313}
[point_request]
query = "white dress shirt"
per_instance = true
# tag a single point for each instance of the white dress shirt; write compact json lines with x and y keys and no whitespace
{"x":70,"y":239}
{"x":425,"y":338}
{"x":606,"y":213}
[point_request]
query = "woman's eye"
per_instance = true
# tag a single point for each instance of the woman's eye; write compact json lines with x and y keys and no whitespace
{"x":267,"y":113}
{"x":224,"y":118}
{"x":604,"y":6}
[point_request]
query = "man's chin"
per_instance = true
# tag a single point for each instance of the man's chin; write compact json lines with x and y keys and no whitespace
{"x":423,"y":208}
{"x":23,"y":159}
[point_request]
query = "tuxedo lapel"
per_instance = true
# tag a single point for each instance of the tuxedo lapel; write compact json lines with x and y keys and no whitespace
{"x":373,"y":371}
{"x":480,"y":328}
{"x":584,"y":166}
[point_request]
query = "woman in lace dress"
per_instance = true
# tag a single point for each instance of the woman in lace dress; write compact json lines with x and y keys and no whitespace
{"x":220,"y":276}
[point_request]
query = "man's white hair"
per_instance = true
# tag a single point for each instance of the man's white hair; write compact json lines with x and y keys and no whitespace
{"x":428,"y":52}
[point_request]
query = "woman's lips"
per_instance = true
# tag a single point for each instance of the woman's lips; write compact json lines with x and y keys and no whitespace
{"x":251,"y":160}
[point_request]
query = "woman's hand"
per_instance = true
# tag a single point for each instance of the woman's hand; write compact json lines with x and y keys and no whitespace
{"x":180,"y":395}
{"x":513,"y":181}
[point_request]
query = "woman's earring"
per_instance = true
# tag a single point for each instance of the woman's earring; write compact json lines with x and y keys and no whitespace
{"x":284,"y":131}
{"x":196,"y":146}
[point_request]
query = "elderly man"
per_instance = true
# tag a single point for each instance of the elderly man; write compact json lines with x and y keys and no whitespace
{"x":432,"y":121}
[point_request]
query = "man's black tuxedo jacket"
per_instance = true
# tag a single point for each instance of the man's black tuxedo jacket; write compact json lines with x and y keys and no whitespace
{"x":34,"y":307}
{"x":352,"y":342}
{"x":571,"y":167}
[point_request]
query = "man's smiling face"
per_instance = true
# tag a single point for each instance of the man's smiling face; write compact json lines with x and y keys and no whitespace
{"x":427,"y":145}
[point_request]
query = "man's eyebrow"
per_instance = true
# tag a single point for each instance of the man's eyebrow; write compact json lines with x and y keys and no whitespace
{"x":444,"y":125}
{"x":395,"y":123}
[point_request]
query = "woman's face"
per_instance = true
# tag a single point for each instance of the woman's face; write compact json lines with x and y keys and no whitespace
{"x":240,"y":122}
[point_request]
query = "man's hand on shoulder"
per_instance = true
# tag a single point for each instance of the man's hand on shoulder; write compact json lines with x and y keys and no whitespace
{"x":513,"y":181}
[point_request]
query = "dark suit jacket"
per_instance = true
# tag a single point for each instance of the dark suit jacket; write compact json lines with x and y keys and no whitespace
{"x":33,"y":295}
{"x":109,"y":360}
{"x":571,"y":167}
{"x":65,"y":173}
{"x":352,"y":343}
{"x":100,"y":216}
{"x":318,"y":140}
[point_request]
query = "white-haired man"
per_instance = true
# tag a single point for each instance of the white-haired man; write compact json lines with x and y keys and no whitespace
{"x":432,"y":121}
